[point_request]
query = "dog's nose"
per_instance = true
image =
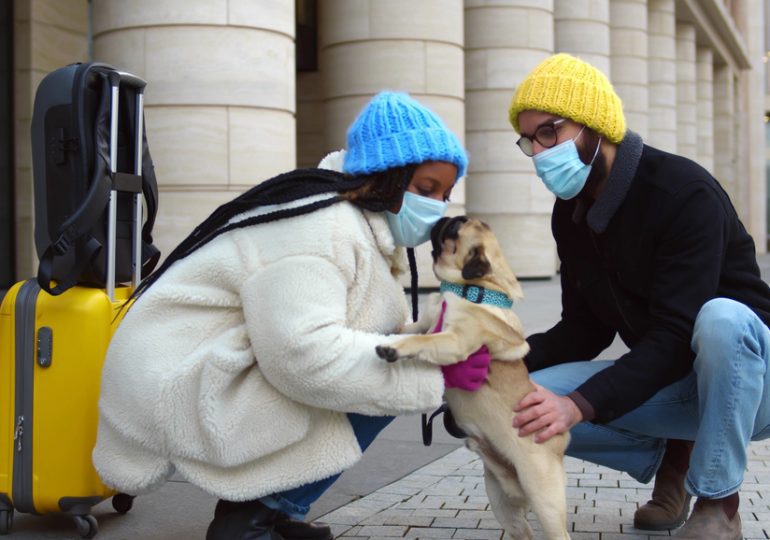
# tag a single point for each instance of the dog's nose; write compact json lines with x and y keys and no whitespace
{"x":435,"y":236}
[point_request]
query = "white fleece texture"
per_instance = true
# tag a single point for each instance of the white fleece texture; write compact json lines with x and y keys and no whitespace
{"x":237,"y":367}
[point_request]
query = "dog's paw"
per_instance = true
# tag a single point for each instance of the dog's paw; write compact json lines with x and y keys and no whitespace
{"x":388,"y":353}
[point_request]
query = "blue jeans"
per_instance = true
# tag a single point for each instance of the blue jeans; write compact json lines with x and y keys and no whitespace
{"x":722,"y":405}
{"x":296,"y":502}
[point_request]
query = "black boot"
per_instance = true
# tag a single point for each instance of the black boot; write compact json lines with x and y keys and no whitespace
{"x":250,"y":520}
{"x":292,"y":529}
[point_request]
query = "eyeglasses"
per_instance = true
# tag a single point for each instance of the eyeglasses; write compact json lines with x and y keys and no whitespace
{"x":545,"y":135}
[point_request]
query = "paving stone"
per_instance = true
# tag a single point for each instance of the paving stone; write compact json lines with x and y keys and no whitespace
{"x":456,"y":523}
{"x":432,"y":532}
{"x":410,"y":521}
{"x":447,"y":500}
{"x":478,"y":534}
{"x":476,"y":514}
{"x":386,"y":531}
{"x":489,"y":524}
{"x":434,"y":512}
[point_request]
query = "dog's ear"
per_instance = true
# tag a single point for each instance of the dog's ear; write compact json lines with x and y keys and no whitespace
{"x":476,"y":265}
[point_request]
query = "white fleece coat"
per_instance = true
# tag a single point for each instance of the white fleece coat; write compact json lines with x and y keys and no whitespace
{"x":236,"y":368}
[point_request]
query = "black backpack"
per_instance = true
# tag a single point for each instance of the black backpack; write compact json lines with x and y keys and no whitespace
{"x":72,"y":178}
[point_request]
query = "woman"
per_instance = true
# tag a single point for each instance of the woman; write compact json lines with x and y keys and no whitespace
{"x":247,"y":362}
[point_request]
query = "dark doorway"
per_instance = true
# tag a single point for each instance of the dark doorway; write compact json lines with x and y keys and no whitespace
{"x":307,"y":35}
{"x":7,"y":229}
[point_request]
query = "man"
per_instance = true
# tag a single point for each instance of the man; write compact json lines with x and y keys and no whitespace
{"x":651,"y":249}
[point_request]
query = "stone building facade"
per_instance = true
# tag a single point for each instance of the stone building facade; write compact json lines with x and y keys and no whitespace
{"x":240,"y":90}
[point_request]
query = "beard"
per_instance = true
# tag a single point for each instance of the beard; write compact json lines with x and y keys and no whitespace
{"x":598,"y":174}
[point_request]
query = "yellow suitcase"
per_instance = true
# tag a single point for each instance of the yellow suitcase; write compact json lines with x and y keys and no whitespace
{"x":52,"y":349}
{"x":51,"y":354}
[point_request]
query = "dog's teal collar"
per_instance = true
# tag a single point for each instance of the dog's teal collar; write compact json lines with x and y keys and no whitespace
{"x":478,"y":295}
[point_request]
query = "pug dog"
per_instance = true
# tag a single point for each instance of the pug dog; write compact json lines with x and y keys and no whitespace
{"x":477,"y":292}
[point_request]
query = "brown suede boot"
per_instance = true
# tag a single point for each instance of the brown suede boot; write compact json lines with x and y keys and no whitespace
{"x":670,"y":502}
{"x":715,"y":519}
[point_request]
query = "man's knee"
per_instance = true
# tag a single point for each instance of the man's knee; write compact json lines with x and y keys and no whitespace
{"x":719,"y":323}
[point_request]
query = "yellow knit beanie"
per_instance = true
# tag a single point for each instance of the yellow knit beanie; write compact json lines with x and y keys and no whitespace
{"x":571,"y":88}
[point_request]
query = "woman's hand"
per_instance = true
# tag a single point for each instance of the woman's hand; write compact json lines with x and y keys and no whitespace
{"x":546,"y":414}
{"x":469,"y":374}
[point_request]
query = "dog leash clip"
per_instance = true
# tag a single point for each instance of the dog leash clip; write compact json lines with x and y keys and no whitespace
{"x":427,"y":424}
{"x":449,"y":424}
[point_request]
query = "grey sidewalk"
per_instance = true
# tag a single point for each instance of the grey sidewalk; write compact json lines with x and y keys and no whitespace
{"x":446,"y":499}
{"x":401,"y":489}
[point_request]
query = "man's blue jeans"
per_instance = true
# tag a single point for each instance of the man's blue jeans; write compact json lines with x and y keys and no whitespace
{"x":722,"y":405}
{"x":296,"y":502}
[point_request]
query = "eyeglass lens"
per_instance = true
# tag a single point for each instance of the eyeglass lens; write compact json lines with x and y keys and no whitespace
{"x":545,"y":136}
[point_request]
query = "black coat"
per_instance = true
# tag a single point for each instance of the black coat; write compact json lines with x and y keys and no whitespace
{"x":662,"y":239}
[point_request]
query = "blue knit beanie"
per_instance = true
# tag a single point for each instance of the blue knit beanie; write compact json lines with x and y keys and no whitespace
{"x":394,"y":130}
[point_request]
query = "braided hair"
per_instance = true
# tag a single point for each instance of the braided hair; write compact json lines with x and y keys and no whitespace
{"x":376,"y":192}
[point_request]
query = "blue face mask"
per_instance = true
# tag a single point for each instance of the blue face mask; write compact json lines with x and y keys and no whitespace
{"x":561,"y":169}
{"x":413,"y":223}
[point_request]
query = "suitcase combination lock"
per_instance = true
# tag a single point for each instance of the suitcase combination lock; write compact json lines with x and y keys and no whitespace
{"x":44,"y":346}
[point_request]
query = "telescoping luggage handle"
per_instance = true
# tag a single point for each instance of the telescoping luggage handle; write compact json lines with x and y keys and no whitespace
{"x":124,"y":181}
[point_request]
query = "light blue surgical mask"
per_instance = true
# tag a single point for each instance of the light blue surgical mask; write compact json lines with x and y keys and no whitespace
{"x":413,"y":223}
{"x":561,"y":169}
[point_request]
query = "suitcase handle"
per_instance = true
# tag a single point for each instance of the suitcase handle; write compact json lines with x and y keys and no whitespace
{"x":132,"y":80}
{"x":116,"y":79}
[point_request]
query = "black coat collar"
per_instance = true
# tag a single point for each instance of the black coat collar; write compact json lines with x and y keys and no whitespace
{"x":619,"y":182}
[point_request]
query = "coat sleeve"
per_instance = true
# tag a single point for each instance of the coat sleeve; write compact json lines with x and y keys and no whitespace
{"x":686,"y":273}
{"x":296,"y":312}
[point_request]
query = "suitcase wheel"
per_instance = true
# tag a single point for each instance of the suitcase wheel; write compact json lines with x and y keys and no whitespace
{"x":87,"y":526}
{"x":6,"y":521}
{"x":122,"y":503}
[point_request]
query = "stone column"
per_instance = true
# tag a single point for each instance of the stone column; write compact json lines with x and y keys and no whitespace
{"x":416,"y":47}
{"x":628,"y":60}
{"x":503,"y":189}
{"x":705,"y":97}
{"x":220,"y":96}
{"x":686,"y":99}
{"x":47,"y":35}
{"x":662,"y":74}
{"x":724,"y":128}
{"x":582,"y":28}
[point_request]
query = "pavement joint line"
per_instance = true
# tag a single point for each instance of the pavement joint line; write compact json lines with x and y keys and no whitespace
{"x":431,"y":508}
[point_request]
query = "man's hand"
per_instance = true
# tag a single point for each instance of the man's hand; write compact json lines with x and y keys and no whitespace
{"x":546,"y":414}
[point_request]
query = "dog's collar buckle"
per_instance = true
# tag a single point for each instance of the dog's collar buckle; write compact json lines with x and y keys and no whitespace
{"x":478,"y":295}
{"x":473,"y":293}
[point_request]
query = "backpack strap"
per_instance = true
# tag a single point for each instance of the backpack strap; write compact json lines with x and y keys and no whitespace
{"x":72,"y":231}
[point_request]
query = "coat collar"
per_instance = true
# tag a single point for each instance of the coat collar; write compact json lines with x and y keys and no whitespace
{"x":378,"y":224}
{"x":618,"y":183}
